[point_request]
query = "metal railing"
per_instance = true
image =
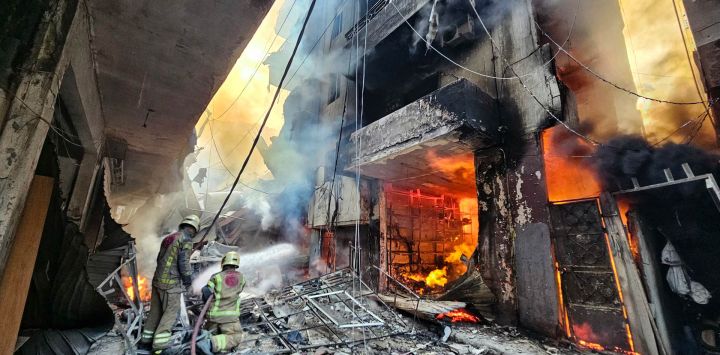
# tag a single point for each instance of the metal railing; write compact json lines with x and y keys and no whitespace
{"x":132,"y":327}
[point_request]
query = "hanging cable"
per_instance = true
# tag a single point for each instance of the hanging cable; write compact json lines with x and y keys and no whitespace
{"x":601,"y":78}
{"x":527,"y":89}
{"x":288,"y":81}
{"x":67,"y":137}
{"x":688,"y":56}
{"x":700,"y":118}
{"x":444,"y":56}
{"x":322,"y":35}
{"x":264,"y":122}
{"x":222,"y":162}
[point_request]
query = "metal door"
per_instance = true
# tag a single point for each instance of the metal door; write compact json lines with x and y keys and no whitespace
{"x":589,"y":288}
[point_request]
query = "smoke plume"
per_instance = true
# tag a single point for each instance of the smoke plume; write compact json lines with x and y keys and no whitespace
{"x":625,"y":157}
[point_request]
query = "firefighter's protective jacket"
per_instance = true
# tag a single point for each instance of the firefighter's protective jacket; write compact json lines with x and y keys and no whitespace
{"x":226,"y":287}
{"x":173,"y":263}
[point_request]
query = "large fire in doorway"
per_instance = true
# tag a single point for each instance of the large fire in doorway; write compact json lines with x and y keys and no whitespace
{"x":434,"y":231}
{"x":568,"y":171}
{"x":571,"y":180}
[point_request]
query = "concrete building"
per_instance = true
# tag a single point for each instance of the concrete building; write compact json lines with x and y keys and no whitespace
{"x":467,"y":156}
{"x":98,"y":100}
{"x":703,"y":18}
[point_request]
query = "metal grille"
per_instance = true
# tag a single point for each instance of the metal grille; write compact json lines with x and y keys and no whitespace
{"x":588,"y":282}
{"x":422,"y":231}
{"x":336,"y":309}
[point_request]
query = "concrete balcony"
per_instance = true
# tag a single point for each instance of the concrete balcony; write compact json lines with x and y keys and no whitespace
{"x":383,"y":18}
{"x":454,"y":120}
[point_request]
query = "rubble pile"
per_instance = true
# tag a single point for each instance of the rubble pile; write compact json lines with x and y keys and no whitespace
{"x":337,"y":313}
{"x":336,"y":310}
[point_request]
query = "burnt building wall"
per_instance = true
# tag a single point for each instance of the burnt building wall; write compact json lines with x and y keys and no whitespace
{"x":509,"y":169}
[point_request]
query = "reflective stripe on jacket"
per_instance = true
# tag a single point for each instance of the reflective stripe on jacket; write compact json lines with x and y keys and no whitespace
{"x":173,"y":262}
{"x":226,"y":287}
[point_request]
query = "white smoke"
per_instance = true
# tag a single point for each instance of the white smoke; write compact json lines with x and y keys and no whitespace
{"x":263,"y":269}
{"x":146,"y":225}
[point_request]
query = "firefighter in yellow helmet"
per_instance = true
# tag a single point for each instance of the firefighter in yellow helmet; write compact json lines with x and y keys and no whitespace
{"x":172,"y":275}
{"x":223,"y":316}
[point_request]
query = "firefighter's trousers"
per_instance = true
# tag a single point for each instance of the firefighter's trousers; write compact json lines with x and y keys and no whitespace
{"x":164,"y":309}
{"x":226,"y":336}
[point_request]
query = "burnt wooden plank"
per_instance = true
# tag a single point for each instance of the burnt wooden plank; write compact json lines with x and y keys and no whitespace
{"x":634,"y":298}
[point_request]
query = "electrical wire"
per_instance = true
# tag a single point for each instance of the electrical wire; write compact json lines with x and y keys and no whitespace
{"x":322,"y":35}
{"x":527,"y":89}
{"x":689,"y":122}
{"x":601,"y":78}
{"x":58,"y":131}
{"x":357,"y":166}
{"x":264,"y":122}
{"x":222,"y":162}
{"x":289,"y":80}
{"x":567,"y":39}
{"x":688,"y":56}
{"x":444,"y":56}
{"x":541,"y":104}
{"x":519,"y":77}
{"x":707,"y":114}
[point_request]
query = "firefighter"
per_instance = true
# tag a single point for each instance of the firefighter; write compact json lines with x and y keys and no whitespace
{"x":172,"y":275}
{"x":223,"y":316}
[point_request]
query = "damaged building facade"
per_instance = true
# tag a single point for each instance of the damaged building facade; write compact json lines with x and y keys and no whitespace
{"x":97,"y":110}
{"x":455,"y":151}
{"x":441,"y":148}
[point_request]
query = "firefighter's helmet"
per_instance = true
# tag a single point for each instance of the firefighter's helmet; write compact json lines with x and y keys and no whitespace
{"x":231,"y":258}
{"x":192,"y":221}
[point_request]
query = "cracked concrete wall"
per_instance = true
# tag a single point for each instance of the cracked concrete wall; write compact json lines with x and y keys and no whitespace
{"x":61,"y":46}
{"x":510,"y":178}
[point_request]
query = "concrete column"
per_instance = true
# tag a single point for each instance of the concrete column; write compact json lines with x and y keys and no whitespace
{"x":27,"y":118}
{"x":383,"y":221}
{"x":495,"y":242}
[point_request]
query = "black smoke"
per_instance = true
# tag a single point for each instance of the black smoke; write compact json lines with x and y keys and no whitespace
{"x":626,"y":157}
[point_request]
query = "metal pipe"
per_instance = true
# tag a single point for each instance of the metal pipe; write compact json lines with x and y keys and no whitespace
{"x":199,"y":321}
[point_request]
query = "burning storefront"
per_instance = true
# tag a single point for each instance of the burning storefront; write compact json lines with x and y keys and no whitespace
{"x":450,"y":171}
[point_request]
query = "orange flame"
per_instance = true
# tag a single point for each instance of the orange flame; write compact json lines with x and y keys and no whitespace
{"x":458,"y":315}
{"x":665,"y":69}
{"x":585,"y":333}
{"x":461,"y":213}
{"x":458,"y":251}
{"x":591,"y":346}
{"x":586,"y":338}
{"x":460,"y":168}
{"x":567,"y":174}
{"x":143,"y":288}
{"x":437,"y":277}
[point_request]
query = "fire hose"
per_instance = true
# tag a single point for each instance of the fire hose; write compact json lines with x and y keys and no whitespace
{"x":198,"y":322}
